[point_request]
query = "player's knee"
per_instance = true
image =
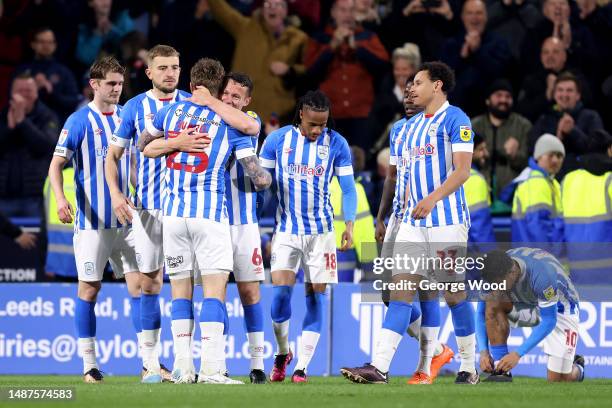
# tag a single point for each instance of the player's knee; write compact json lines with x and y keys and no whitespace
{"x":249,"y":293}
{"x":315,"y":288}
{"x":151,"y":284}
{"x":88,"y":291}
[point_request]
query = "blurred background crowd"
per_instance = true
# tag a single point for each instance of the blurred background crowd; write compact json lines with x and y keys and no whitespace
{"x":524,"y":68}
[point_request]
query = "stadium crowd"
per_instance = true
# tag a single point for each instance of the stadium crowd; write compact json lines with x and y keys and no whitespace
{"x":524,"y":69}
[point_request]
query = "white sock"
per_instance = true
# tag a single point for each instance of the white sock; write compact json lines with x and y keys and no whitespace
{"x":221,"y":355}
{"x":87,"y":349}
{"x":281,"y":332}
{"x":212,"y":344}
{"x":182,"y":333}
{"x":467,"y":351}
{"x":427,"y":342}
{"x":414,"y":329}
{"x":139,"y":339}
{"x":388,"y":341}
{"x":307,"y":349}
{"x":149,"y":349}
{"x":256,"y":350}
{"x":438,"y":349}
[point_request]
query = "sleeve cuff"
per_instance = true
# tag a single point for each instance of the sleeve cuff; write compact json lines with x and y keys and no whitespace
{"x":119,"y":141}
{"x":242,"y":153}
{"x":267,"y":163}
{"x":153,"y":131}
{"x":462,"y":147}
{"x":393,"y":160}
{"x":344,"y":170}
{"x":63,"y":152}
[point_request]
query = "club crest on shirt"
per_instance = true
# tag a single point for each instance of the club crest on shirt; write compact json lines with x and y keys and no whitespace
{"x":433,"y":130}
{"x":323,"y":152}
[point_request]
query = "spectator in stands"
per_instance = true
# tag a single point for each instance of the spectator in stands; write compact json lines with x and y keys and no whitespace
{"x":512,"y":19}
{"x":477,"y":55}
{"x":576,"y":38}
{"x":388,"y":105}
{"x":102,"y":30}
{"x":477,"y":195}
{"x":25,"y":240}
{"x":586,"y":195}
{"x":28,"y":133}
{"x":506,"y":134}
{"x":57,"y":87}
{"x":536,"y":209}
{"x":569,"y":120}
{"x":189,"y":26}
{"x":424,"y":22}
{"x":269,"y":51}
{"x":536,"y":95}
{"x":345,"y":59}
{"x":366,"y":15}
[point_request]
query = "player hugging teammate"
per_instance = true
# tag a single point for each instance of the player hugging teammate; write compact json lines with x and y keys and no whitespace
{"x":196,"y":180}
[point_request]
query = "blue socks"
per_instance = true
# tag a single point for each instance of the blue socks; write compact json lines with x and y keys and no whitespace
{"x":85,"y":318}
{"x":150,"y":312}
{"x":415,"y":313}
{"x":225,"y":319}
{"x":253,"y":318}
{"x":430,"y":310}
{"x":463,"y":319}
{"x":213,"y":310}
{"x":182,"y":309}
{"x":135,"y":315}
{"x":499,"y":351}
{"x":397,"y":318}
{"x":315,"y":303}
{"x":281,"y":303}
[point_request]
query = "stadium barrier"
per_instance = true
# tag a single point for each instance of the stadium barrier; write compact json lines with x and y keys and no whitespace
{"x":37,"y":333}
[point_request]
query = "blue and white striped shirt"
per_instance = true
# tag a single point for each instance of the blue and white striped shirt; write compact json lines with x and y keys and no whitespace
{"x":240,"y":194}
{"x":135,"y":115}
{"x":303,"y":171}
{"x":195,"y":182}
{"x":543,"y":281}
{"x":84,"y":140}
{"x":397,"y":138}
{"x":429,"y":148}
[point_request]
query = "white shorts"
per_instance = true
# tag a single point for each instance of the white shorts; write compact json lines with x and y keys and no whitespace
{"x":93,"y":248}
{"x":196,"y":244}
{"x":147,"y":226}
{"x":315,"y":253}
{"x":561,"y":342}
{"x":246,"y":245}
{"x":433,"y":249}
{"x":390,"y":236}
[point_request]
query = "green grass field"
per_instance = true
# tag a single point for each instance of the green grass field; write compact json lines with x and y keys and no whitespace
{"x":320,"y":392}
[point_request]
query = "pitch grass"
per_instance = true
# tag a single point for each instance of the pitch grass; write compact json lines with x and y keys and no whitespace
{"x":320,"y":392}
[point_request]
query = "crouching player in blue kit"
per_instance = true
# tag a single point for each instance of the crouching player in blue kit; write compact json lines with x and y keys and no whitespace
{"x":303,"y":158}
{"x":538,"y":294}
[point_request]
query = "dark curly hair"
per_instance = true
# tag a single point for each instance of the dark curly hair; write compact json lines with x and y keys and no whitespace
{"x":439,"y":71}
{"x":497,"y":265}
{"x":316,"y":101}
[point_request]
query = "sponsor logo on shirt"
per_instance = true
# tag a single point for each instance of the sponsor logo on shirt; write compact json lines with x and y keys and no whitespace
{"x":174,"y":261}
{"x":420,"y":152}
{"x":304,"y":170}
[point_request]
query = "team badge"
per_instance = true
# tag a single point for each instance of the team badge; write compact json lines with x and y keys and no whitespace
{"x":433,"y":129}
{"x":63,"y":136}
{"x":465,"y":133}
{"x":89,"y":268}
{"x":323,"y":152}
{"x":549,"y":293}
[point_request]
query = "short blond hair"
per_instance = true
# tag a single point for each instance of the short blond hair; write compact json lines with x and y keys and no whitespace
{"x":409,"y":52}
{"x":161,"y":50}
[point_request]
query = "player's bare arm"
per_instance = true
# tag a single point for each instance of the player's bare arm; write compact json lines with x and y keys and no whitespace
{"x":188,"y":140}
{"x":146,"y":138}
{"x":386,"y":201}
{"x":232,"y":116}
{"x":65,"y":211}
{"x":122,"y":206}
{"x":462,"y":161}
{"x":258,"y":175}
